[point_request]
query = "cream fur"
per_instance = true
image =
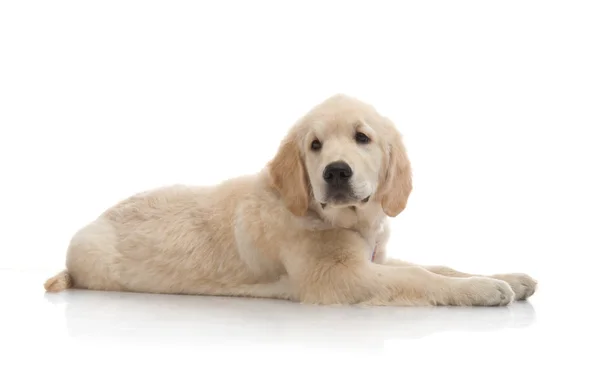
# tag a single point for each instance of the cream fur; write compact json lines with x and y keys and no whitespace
{"x":268,"y":235}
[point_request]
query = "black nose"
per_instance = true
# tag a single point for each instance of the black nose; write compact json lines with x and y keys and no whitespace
{"x":337,"y":172}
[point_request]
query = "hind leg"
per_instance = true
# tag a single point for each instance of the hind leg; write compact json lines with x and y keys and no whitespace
{"x":91,"y":257}
{"x":279,"y":289}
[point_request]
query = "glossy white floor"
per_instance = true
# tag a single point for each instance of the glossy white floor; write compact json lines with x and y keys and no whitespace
{"x":124,"y":336}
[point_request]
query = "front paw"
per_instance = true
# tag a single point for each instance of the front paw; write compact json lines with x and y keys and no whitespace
{"x":482,"y":291}
{"x":522,"y":284}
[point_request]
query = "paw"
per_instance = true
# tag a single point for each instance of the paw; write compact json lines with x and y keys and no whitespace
{"x":482,"y":291}
{"x":522,"y":284}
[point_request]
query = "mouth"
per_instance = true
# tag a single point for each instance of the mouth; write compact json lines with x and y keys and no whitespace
{"x":344,"y":202}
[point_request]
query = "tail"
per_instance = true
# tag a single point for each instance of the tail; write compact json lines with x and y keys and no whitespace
{"x":59,"y":282}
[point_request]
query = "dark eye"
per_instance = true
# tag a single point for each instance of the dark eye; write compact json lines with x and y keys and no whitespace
{"x":361,"y":138}
{"x":315,"y":145}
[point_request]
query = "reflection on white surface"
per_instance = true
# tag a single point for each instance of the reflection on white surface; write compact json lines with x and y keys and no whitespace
{"x":210,"y":320}
{"x":112,"y":335}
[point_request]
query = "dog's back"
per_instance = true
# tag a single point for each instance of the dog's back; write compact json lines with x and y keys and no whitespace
{"x":174,"y":239}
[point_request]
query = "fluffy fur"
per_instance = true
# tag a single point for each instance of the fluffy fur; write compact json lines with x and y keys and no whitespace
{"x":279,"y":233}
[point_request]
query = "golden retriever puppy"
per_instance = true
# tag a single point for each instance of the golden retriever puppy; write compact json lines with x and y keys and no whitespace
{"x":310,"y":227}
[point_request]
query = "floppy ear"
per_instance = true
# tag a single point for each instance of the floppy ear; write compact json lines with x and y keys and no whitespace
{"x":397,"y":183}
{"x":289,"y":177}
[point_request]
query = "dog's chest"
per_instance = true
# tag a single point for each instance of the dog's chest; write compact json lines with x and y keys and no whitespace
{"x":371,"y":237}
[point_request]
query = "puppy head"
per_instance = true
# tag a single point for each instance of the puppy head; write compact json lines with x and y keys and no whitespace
{"x":342,"y":154}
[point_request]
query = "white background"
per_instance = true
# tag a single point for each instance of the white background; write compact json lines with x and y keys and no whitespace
{"x":499,"y":103}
